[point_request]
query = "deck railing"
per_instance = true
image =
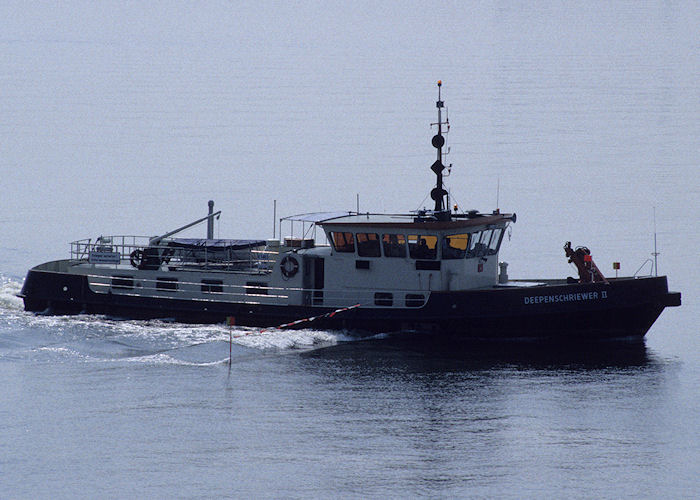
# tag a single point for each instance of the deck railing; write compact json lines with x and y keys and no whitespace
{"x":127,"y":249}
{"x":122,"y":282}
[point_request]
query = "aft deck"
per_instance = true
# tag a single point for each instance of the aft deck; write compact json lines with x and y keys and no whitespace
{"x":129,"y":251}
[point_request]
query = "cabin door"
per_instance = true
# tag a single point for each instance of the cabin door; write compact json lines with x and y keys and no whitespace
{"x":314,"y":280}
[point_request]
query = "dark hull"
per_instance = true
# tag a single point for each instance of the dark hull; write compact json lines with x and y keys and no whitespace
{"x":623,"y":308}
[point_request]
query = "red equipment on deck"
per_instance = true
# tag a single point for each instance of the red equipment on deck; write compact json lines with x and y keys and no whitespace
{"x":587,"y":270}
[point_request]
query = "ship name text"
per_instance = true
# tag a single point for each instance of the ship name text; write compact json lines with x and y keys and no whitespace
{"x":565,"y":297}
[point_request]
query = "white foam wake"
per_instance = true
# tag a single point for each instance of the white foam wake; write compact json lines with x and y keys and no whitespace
{"x":8,"y":294}
{"x":287,"y":339}
{"x":99,"y":338}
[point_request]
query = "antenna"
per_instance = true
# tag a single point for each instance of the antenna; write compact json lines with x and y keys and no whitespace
{"x":656,"y":253}
{"x":498,"y":191}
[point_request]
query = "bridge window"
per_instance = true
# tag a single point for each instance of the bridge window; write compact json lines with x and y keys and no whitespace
{"x":485,"y":242}
{"x":422,"y":246}
{"x":495,"y":241}
{"x":479,"y":244}
{"x":394,"y":245}
{"x":455,"y":246}
{"x":343,"y":242}
{"x":368,"y":245}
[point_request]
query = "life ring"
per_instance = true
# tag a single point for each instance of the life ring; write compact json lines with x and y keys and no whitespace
{"x":136,"y":257}
{"x":289,"y":266}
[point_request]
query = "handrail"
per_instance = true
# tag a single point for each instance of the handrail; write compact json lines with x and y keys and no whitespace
{"x":651,"y":268}
{"x":118,"y":250}
{"x":123,"y":283}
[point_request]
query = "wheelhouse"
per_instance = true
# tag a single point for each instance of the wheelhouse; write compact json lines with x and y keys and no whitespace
{"x":446,"y":245}
{"x":370,"y":236}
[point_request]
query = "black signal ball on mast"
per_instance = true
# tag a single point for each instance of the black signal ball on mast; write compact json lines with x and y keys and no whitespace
{"x":438,"y":141}
{"x":437,"y":194}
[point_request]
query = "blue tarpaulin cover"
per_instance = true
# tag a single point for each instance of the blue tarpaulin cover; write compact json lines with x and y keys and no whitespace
{"x":219,"y":244}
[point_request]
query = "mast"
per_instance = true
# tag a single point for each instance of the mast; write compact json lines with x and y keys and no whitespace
{"x":439,"y":193}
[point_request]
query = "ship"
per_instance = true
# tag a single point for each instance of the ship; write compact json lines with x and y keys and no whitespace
{"x":430,"y":271}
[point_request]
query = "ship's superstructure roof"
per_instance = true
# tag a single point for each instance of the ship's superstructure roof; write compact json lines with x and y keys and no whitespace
{"x":422,"y":221}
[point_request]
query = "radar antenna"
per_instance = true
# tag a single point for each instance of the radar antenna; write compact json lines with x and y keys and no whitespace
{"x":439,"y":193}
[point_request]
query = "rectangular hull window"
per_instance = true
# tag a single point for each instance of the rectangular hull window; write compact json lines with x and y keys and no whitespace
{"x":256,"y":288}
{"x":427,"y":265}
{"x":383,"y":299}
{"x":123,"y":282}
{"x":212,"y":286}
{"x":414,"y":299}
{"x":168,"y":284}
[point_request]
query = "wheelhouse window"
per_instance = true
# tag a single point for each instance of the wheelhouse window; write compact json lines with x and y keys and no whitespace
{"x":479,"y":244}
{"x":343,"y":242}
{"x":394,"y":245}
{"x":455,"y":246}
{"x":485,"y":242}
{"x":422,"y":246}
{"x":495,"y":241}
{"x":368,"y":245}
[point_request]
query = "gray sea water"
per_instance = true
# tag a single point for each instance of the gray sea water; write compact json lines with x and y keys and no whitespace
{"x":125,"y":118}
